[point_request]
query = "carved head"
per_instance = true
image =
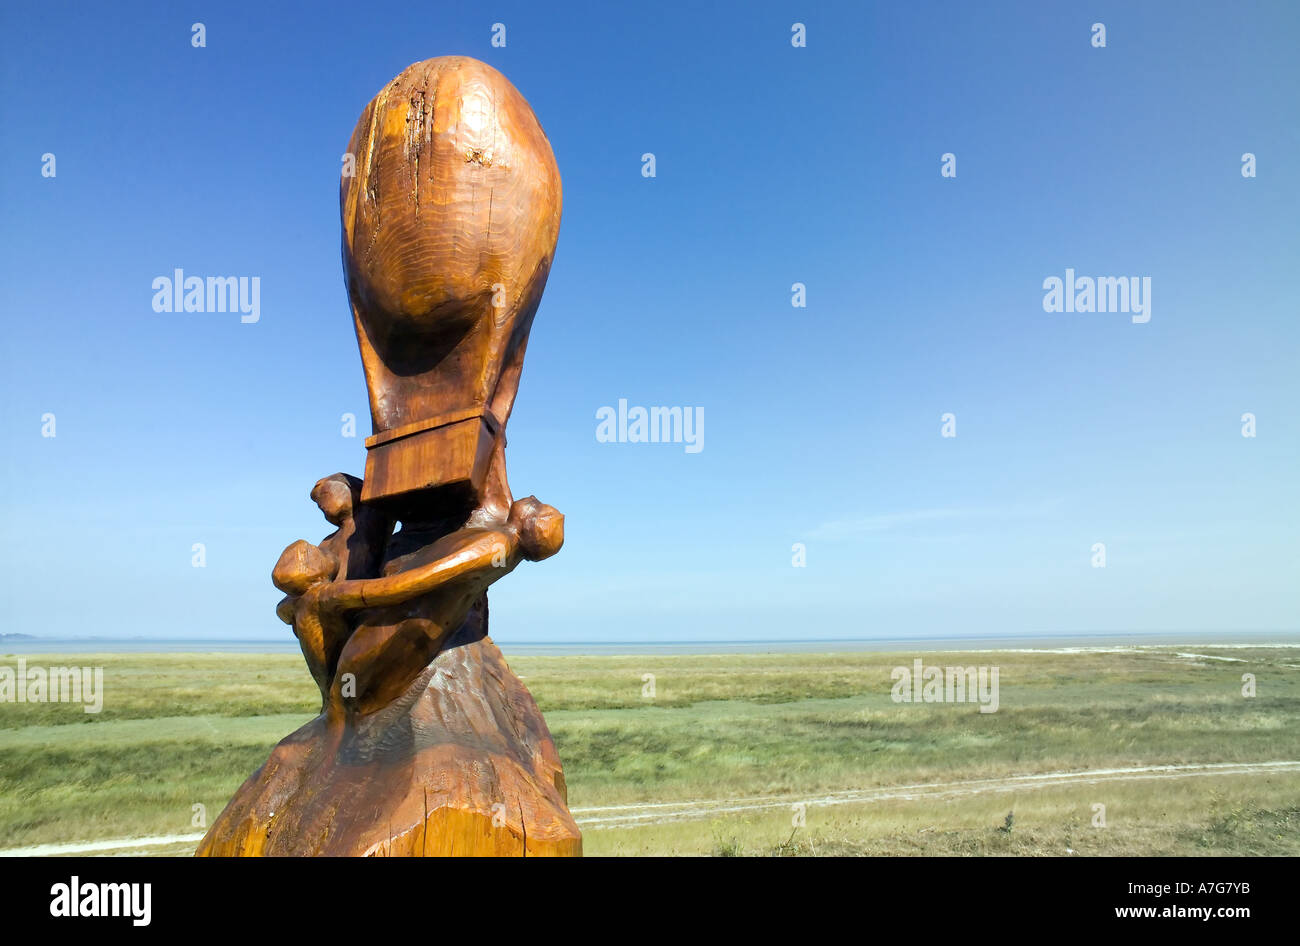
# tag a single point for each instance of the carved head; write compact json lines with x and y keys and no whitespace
{"x":302,"y":565}
{"x":540,"y":528}
{"x":337,"y":496}
{"x":449,"y":228}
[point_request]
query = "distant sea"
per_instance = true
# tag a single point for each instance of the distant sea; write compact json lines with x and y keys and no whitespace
{"x":107,"y":645}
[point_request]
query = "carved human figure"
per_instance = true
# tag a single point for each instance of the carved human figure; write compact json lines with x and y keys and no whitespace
{"x":366,"y":639}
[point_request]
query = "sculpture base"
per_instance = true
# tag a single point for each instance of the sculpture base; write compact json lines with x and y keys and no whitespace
{"x":462,"y":764}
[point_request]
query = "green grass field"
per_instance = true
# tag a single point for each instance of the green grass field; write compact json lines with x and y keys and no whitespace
{"x":729,"y":745}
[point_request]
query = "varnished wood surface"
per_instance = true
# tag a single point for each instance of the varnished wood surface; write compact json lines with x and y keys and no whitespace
{"x":426,"y":743}
{"x":449,"y":230}
{"x":468,"y":768}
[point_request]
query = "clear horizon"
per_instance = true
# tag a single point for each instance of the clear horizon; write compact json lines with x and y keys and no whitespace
{"x":826,"y":501}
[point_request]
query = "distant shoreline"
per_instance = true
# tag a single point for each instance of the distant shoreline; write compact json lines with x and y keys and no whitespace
{"x":37,"y":645}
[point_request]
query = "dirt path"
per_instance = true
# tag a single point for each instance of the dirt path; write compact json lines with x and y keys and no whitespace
{"x":631,"y":816}
{"x":611,"y":817}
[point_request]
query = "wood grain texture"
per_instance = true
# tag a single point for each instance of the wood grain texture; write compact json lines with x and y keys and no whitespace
{"x":426,"y":743}
{"x":449,"y":228}
{"x":462,"y":765}
{"x":417,"y":705}
{"x":454,"y":456}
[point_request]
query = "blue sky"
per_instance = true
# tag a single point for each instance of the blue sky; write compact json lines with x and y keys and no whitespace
{"x":775,"y":165}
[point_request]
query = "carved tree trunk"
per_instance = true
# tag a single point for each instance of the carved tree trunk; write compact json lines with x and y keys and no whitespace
{"x":426,"y":744}
{"x":462,"y":764}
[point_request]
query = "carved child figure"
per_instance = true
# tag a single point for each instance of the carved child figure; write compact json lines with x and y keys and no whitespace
{"x":351,"y":551}
{"x":365,"y":639}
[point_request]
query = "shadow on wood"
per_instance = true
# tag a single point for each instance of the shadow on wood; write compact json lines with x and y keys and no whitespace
{"x":426,"y":743}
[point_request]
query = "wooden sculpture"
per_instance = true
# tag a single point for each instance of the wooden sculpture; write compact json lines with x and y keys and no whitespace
{"x":426,"y":743}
